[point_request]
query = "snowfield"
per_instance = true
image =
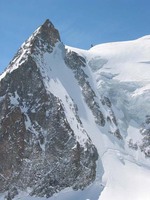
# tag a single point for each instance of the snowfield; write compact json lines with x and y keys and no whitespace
{"x":120,"y":71}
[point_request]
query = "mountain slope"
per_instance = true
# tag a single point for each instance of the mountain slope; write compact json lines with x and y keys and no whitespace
{"x":44,"y":145}
{"x":121,"y":73}
{"x":63,"y":108}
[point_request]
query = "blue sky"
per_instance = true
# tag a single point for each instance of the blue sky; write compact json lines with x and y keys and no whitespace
{"x":80,"y":22}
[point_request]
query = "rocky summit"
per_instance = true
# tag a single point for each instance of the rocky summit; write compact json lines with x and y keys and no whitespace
{"x":38,"y":146}
{"x":75,"y":124}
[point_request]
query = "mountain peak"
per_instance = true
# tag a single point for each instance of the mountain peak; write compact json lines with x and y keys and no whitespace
{"x":44,"y":38}
{"x":47,"y":24}
{"x":48,"y":33}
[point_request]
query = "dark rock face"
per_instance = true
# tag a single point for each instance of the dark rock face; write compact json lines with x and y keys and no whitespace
{"x":111,"y":118}
{"x":12,"y":193}
{"x":46,"y":37}
{"x":38,"y":148}
{"x":145,"y":131}
{"x":132,"y":145}
{"x":77,"y":64}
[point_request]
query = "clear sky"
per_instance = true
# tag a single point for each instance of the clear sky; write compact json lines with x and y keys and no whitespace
{"x":80,"y":22}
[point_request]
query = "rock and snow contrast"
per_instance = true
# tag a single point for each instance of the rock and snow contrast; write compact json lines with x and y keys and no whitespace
{"x":75,"y":124}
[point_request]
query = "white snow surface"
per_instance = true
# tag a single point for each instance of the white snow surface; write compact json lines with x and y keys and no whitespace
{"x":120,"y":71}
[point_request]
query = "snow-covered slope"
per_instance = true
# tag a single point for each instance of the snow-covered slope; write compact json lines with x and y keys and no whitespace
{"x":105,"y":96}
{"x":121,"y":72}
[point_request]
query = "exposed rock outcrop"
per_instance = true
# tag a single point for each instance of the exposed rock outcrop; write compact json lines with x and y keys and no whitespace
{"x":38,"y":147}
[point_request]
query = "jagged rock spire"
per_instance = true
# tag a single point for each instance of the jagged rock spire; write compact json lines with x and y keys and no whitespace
{"x":43,"y":39}
{"x":36,"y":133}
{"x":48,"y":32}
{"x":45,"y":36}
